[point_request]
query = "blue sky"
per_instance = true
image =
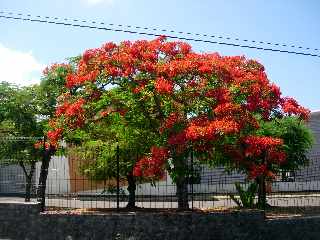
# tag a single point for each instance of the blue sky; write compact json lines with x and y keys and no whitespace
{"x":26,"y":48}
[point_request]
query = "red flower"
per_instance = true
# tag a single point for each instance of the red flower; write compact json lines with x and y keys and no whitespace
{"x":152,"y":166}
{"x":177,"y":138}
{"x":62,"y":109}
{"x":39,"y":145}
{"x":194,"y":133}
{"x":170,"y":121}
{"x":224,"y":126}
{"x":90,"y":53}
{"x":291,"y":106}
{"x":222,"y":95}
{"x":255,"y":145}
{"x":109,"y":46}
{"x":139,"y":88}
{"x":163,"y":86}
{"x":54,"y":135}
{"x":73,"y":80}
{"x":75,"y":108}
{"x":278,"y":157}
{"x":257,"y":170}
{"x":122,"y":112}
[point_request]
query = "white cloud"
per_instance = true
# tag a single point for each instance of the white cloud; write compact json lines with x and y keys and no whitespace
{"x":19,"y":67}
{"x":96,"y":2}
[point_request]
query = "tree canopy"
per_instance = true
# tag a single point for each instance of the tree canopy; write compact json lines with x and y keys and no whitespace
{"x":202,"y":102}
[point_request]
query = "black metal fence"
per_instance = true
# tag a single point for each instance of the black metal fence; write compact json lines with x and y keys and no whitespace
{"x":70,"y":186}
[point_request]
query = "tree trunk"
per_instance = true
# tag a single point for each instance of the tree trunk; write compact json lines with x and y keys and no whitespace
{"x":182,"y":193}
{"x":262,"y":196}
{"x":41,"y":193}
{"x":28,"y":189}
{"x":29,"y":181}
{"x":181,"y":183}
{"x":28,"y":177}
{"x":132,"y":190}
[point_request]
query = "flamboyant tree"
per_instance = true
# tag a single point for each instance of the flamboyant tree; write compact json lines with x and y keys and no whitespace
{"x":197,"y":102}
{"x":52,"y":85}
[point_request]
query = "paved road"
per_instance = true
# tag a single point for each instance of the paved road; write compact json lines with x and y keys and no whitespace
{"x":219,"y":202}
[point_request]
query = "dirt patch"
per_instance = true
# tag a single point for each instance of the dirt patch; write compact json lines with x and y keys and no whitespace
{"x":99,"y":211}
{"x":270,"y":213}
{"x":290,"y":212}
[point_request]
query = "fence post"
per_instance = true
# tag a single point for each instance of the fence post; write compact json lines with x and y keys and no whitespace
{"x":118,"y":178}
{"x":43,"y":177}
{"x":192,"y":179}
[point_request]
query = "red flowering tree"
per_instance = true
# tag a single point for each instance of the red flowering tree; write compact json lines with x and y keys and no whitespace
{"x":51,"y":86}
{"x":194,"y":101}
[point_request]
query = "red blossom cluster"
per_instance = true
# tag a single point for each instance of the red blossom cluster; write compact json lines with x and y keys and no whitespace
{"x":163,"y":86}
{"x":139,"y":88}
{"x":257,"y":170}
{"x":152,"y":166}
{"x":73,"y":115}
{"x":75,"y":108}
{"x":170,"y":121}
{"x":39,"y":145}
{"x":211,"y":129}
{"x":177,"y":138}
{"x":70,"y":110}
{"x":221,"y":95}
{"x":257,"y":155}
{"x":54,"y":136}
{"x":255,"y":145}
{"x":291,"y":107}
{"x":73,"y":80}
{"x":268,"y":149}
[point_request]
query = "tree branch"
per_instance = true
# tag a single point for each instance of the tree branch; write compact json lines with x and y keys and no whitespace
{"x":23,"y":168}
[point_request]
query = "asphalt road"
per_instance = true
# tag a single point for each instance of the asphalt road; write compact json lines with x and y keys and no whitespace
{"x":307,"y":200}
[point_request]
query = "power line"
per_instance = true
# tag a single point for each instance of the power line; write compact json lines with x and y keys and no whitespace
{"x":172,"y":31}
{"x":21,"y":138}
{"x":46,"y":19}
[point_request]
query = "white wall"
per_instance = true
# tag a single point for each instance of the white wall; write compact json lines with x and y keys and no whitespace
{"x":58,"y":180}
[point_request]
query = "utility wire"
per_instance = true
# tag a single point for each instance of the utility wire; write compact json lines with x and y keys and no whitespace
{"x":63,"y":21}
{"x":14,"y":138}
{"x":172,"y":31}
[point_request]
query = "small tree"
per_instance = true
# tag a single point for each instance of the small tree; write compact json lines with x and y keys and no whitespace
{"x":28,"y":109}
{"x":297,"y":138}
{"x":297,"y":141}
{"x":280,"y":144}
{"x":51,"y":86}
{"x":18,"y":117}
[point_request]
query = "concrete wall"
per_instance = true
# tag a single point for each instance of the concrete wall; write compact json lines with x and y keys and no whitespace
{"x":12,"y":179}
{"x":23,"y":222}
{"x":58,"y":180}
{"x":312,"y":171}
